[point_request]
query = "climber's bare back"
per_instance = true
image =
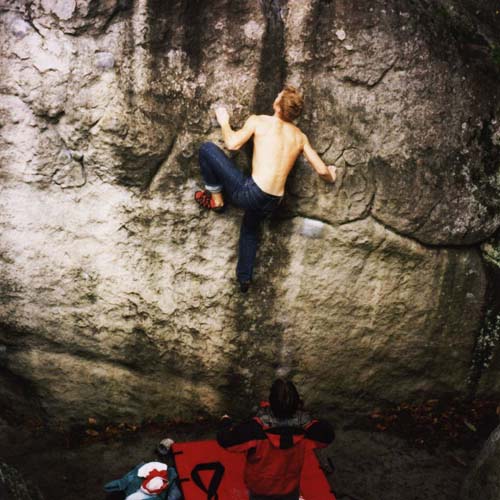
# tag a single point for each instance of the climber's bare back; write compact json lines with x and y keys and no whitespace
{"x":277,"y":144}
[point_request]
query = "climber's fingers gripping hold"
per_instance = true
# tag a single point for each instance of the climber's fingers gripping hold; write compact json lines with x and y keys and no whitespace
{"x":222,"y":115}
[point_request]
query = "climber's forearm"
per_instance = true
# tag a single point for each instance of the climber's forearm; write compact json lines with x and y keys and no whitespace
{"x":326,"y":172}
{"x":330,"y":175}
{"x":228,"y":135}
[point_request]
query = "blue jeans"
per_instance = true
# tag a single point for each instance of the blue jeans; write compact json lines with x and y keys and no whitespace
{"x":220,"y":174}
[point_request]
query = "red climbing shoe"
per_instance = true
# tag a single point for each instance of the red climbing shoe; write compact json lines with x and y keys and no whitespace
{"x":204,"y":198}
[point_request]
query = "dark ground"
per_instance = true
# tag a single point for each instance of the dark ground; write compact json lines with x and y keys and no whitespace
{"x":404,"y":453}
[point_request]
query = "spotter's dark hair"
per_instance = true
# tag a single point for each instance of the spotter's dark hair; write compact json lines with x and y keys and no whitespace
{"x":284,"y":399}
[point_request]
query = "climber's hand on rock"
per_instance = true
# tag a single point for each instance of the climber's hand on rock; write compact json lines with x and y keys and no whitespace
{"x":332,"y":170}
{"x":329,"y":174}
{"x":222,"y":115}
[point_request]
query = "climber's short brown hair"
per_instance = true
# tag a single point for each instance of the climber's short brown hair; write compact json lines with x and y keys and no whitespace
{"x":291,"y":103}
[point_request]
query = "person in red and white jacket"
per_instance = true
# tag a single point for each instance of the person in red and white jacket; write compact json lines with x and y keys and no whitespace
{"x":275,"y":442}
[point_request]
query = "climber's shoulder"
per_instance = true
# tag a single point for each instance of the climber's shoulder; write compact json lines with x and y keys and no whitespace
{"x":263,"y":119}
{"x":275,"y":123}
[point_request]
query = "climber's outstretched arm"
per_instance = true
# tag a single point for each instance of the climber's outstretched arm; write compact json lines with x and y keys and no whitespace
{"x":234,"y":139}
{"x":326,"y":172}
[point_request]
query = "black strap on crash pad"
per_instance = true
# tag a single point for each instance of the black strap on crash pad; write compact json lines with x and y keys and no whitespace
{"x":211,"y":491}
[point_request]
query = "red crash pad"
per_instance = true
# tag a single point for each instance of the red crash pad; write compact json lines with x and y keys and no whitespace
{"x":313,"y":483}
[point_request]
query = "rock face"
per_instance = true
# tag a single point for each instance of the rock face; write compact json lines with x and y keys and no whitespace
{"x":13,"y":486}
{"x":117,"y":294}
{"x":483,"y":481}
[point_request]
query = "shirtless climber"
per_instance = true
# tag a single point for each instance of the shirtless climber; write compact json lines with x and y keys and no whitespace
{"x":277,"y":144}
